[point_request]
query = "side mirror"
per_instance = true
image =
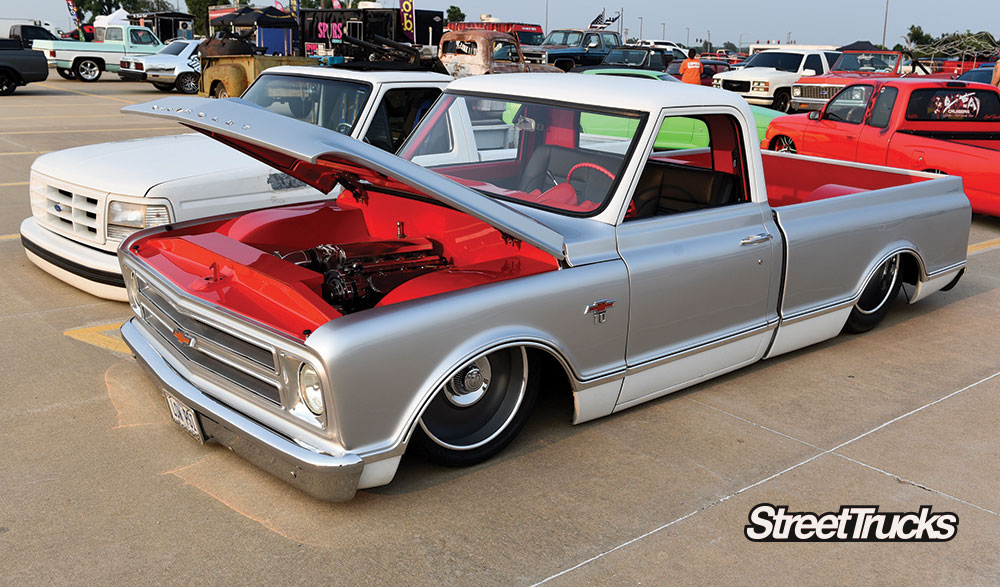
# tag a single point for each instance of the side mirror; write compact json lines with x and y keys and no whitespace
{"x":808,"y":72}
{"x":814,"y":115}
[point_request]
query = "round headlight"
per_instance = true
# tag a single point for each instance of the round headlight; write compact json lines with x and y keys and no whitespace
{"x":311,"y":389}
{"x":796,"y":91}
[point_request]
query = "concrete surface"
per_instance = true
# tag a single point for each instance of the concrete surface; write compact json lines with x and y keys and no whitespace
{"x":99,"y":486}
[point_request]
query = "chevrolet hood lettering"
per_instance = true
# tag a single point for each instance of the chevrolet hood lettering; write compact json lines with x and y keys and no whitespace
{"x":323,"y":158}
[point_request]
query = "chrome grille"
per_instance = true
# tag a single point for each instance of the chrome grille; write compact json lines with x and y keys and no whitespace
{"x":249,"y":364}
{"x":535,"y":56}
{"x":735,"y":85}
{"x":818,"y":92}
{"x":74,"y":211}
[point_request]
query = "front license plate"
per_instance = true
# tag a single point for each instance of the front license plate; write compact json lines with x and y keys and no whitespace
{"x":185,"y":417}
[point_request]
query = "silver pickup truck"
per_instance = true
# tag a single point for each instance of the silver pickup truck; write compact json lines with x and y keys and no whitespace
{"x":321,"y":341}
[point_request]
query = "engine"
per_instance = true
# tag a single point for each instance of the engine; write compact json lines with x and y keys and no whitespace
{"x":357,"y":275}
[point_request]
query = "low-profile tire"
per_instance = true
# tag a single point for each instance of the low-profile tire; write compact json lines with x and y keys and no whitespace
{"x":65,"y":73}
{"x":8,"y":83}
{"x":783,"y":144}
{"x":782,"y":101}
{"x":187,"y":83}
{"x":877,"y":297}
{"x":87,"y":70}
{"x":219,"y":91}
{"x":479,"y":410}
{"x":163,"y":87}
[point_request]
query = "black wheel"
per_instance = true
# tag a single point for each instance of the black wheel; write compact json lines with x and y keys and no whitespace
{"x":219,"y":91}
{"x":163,"y":87}
{"x":187,"y":83}
{"x":8,"y":83}
{"x":479,"y":410}
{"x":783,"y":144}
{"x":876,"y":298}
{"x":87,"y":70}
{"x":65,"y":73}
{"x":782,"y":101}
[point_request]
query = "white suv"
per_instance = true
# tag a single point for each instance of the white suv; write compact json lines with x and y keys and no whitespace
{"x":767,"y":77}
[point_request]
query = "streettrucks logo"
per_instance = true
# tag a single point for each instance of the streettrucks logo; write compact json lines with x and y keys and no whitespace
{"x":853,"y":523}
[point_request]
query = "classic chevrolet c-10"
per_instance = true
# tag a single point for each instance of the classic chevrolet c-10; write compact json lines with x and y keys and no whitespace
{"x":320,"y":341}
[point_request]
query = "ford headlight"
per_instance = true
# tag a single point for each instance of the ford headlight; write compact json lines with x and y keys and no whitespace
{"x":311,"y":389}
{"x":124,"y":218}
{"x":127,"y":214}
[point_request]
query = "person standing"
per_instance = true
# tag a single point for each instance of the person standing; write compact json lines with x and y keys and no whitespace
{"x":691,"y":69}
{"x":996,"y":71}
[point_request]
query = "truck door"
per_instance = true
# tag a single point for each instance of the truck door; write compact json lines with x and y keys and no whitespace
{"x":700,"y":256}
{"x":873,"y":142}
{"x":835,"y":134}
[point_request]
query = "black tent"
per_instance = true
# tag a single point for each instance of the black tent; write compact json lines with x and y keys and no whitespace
{"x":859,"y":46}
{"x":268,"y":17}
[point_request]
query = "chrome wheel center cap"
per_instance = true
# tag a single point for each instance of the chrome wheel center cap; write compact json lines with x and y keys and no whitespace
{"x":469,"y":385}
{"x":473,"y":380}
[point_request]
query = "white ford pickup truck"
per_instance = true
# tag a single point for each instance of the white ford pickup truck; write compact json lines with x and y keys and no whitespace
{"x":85,"y":200}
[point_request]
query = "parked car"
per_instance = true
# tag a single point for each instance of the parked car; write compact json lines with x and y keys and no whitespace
{"x":87,"y":61}
{"x":634,"y":272}
{"x":812,"y":93}
{"x":526,"y":34}
{"x":709,"y":69}
{"x":982,"y":75}
{"x":766,"y":78}
{"x":74,"y":34}
{"x":27,"y":34}
{"x":945,"y":127}
{"x":479,"y":52}
{"x":634,"y":57}
{"x":19,"y":67}
{"x":675,"y":50}
{"x":85,"y":200}
{"x":176,"y":65}
{"x":568,"y":48}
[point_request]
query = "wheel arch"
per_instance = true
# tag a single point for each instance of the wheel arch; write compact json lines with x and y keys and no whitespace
{"x":912,"y":268}
{"x":99,"y":61}
{"x":18,"y":80}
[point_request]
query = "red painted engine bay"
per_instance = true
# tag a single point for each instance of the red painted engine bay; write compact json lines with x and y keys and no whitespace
{"x":295,"y":268}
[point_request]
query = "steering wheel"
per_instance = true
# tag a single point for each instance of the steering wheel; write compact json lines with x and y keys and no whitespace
{"x":592,"y":166}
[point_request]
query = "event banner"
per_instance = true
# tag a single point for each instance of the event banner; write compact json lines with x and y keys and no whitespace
{"x":75,"y":15}
{"x":407,"y":18}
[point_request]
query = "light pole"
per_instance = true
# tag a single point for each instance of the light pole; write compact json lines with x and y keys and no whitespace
{"x":546,"y":17}
{"x":885,"y":22}
{"x":640,"y":28}
{"x":663,"y":34}
{"x":688,"y":44}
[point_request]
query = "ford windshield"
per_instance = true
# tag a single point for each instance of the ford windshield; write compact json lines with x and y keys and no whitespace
{"x":561,"y":158}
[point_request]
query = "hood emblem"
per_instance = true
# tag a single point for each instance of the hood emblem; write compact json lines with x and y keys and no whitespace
{"x":181,"y":337}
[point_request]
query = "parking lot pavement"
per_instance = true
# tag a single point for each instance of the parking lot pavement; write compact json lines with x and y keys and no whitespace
{"x":100,"y":486}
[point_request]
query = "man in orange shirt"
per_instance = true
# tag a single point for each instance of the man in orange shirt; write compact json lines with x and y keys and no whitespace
{"x":996,"y":72}
{"x":691,"y":69}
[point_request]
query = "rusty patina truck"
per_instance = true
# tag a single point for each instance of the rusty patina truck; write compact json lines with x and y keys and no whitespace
{"x":478,"y":52}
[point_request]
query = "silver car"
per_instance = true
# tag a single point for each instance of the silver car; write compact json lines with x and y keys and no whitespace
{"x":529,"y":221}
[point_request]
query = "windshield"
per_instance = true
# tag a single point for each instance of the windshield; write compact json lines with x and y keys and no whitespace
{"x":331,"y":103}
{"x":626,"y":57}
{"x":174,"y":48}
{"x":563,"y":38}
{"x":529,"y":38}
{"x":876,"y":62}
{"x":560,"y":158}
{"x":776,"y":59}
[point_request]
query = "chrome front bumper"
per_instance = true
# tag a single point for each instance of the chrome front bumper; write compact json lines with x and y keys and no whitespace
{"x":323,"y":476}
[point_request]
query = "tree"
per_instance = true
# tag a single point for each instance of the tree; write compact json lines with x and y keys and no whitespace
{"x":730,"y":46}
{"x":455,"y":14}
{"x":90,"y":9}
{"x":199,"y":9}
{"x":917,"y":36}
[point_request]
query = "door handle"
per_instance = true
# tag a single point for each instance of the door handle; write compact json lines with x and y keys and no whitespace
{"x":756,"y":239}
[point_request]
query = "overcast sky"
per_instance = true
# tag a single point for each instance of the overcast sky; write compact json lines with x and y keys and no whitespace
{"x":834,"y":22}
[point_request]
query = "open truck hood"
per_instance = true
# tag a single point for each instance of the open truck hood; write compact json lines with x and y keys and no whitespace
{"x":323,"y":158}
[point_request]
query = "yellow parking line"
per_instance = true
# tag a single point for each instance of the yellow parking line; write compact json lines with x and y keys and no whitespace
{"x":68,"y":130}
{"x":984,"y":246}
{"x":13,"y":183}
{"x":86,"y":94}
{"x":87,"y":116}
{"x":7,"y":237}
{"x":24,"y":153}
{"x":97,"y":336}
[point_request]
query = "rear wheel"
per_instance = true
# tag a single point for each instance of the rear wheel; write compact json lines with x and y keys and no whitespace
{"x":876,"y":298}
{"x":219,"y":91}
{"x":479,"y":410}
{"x":187,"y":83}
{"x":87,"y":70}
{"x":783,"y":144}
{"x":8,"y":83}
{"x":65,"y":73}
{"x":163,"y":87}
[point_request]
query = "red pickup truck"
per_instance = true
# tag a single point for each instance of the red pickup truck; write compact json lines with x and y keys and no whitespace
{"x":939,"y":126}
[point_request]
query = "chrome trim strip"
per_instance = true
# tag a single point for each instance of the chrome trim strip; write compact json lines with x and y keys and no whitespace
{"x":709,"y":345}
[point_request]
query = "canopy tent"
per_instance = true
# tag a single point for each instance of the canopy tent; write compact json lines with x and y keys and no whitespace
{"x":860,"y":46}
{"x":228,"y":18}
{"x":268,"y":17}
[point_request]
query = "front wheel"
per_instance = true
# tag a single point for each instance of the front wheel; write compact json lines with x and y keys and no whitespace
{"x":65,"y":73}
{"x":878,"y":295}
{"x":783,"y":144}
{"x":782,"y":101}
{"x":8,"y":83}
{"x":163,"y":87}
{"x":479,"y":410}
{"x":87,"y":70}
{"x":187,"y":83}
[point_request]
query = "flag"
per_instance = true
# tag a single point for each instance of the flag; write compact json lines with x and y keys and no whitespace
{"x":279,"y":6}
{"x":75,"y":15}
{"x":612,"y":19}
{"x":407,"y":19}
{"x":293,"y":7}
{"x":598,"y":21}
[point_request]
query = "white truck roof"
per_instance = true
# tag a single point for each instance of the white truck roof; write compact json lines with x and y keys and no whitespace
{"x":374,"y":77}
